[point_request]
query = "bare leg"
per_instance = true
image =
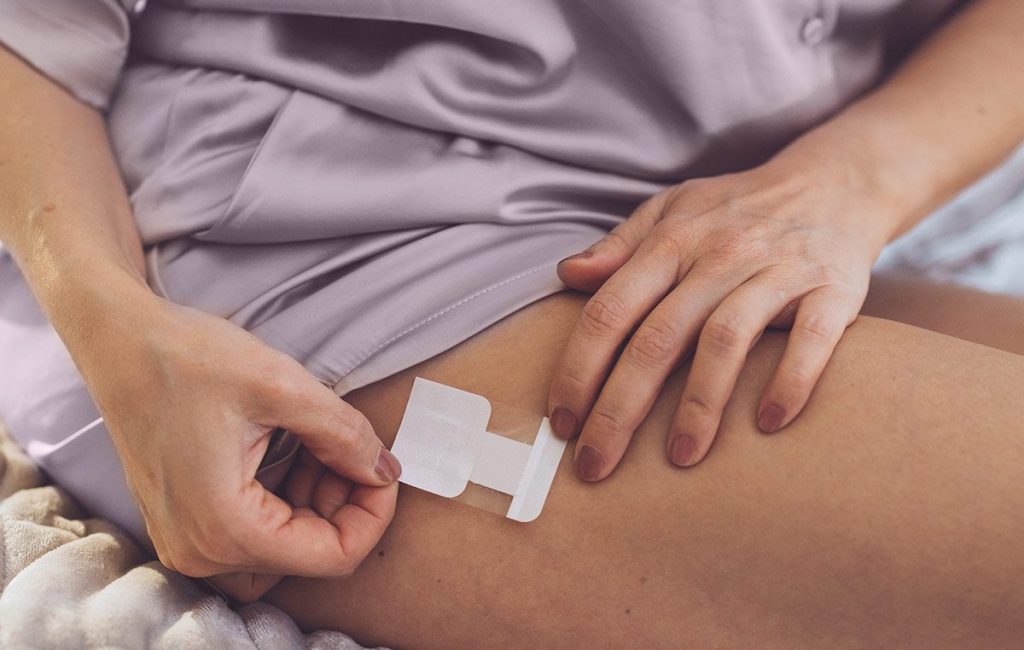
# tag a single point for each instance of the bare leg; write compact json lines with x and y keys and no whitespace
{"x":989,"y":319}
{"x":887,"y":514}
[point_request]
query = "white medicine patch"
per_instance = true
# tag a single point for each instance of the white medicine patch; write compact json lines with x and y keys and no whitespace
{"x":443,"y":445}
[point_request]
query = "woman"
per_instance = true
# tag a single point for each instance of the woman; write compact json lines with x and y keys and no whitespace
{"x":367,"y":187}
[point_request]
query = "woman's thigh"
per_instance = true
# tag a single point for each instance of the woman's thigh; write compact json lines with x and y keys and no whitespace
{"x":990,"y":319}
{"x":887,"y":513}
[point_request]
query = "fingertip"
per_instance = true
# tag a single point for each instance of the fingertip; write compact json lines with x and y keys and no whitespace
{"x":570,"y":267}
{"x":587,"y":271}
{"x":771,"y":418}
{"x":693,"y":431}
{"x":590,"y":463}
{"x":684,"y":451}
{"x":387,"y":468}
{"x":564,"y":423}
{"x":581,"y":279}
{"x":578,"y":257}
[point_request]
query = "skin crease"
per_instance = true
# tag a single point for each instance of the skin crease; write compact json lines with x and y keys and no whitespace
{"x":65,"y":217}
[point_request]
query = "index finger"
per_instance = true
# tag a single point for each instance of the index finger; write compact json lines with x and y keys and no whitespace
{"x":335,"y":432}
{"x":605,"y":322}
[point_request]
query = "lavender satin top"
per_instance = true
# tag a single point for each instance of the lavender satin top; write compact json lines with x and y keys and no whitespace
{"x":365,"y":183}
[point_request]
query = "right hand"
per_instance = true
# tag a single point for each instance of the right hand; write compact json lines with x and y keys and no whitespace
{"x":190,"y":400}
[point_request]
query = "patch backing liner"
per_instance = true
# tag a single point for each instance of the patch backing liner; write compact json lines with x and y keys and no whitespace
{"x":459,"y":445}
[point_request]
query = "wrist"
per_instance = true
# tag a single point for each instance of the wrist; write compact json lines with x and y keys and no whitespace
{"x":89,"y":299}
{"x":899,"y":176}
{"x":861,"y":189}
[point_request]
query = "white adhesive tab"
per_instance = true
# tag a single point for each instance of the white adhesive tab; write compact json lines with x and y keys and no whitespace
{"x":500,"y":464}
{"x":443,"y":445}
{"x":443,"y":431}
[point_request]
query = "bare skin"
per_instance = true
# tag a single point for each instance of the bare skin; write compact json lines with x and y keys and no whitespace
{"x":65,"y":218}
{"x":888,"y":514}
{"x":702,"y":267}
{"x":990,"y":319}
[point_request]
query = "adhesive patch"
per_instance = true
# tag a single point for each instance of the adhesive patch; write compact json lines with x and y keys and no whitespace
{"x":445,"y":448}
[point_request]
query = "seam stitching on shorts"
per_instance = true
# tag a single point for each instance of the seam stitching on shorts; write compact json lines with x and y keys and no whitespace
{"x":447,"y":309}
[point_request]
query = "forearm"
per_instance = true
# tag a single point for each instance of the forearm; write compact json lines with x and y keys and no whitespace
{"x":64,"y":212}
{"x":949,"y":114}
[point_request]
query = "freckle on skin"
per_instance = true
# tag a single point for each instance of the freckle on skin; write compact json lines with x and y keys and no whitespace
{"x":627,"y":612}
{"x":380,"y":554}
{"x":643,"y":580}
{"x":49,"y":207}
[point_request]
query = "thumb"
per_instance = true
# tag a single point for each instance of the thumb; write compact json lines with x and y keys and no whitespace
{"x":588,"y":270}
{"x":337,"y":434}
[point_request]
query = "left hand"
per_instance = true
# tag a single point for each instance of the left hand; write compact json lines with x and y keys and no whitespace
{"x":711,"y":263}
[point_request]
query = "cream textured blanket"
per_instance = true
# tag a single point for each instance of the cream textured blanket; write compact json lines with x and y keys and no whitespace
{"x":69,"y":581}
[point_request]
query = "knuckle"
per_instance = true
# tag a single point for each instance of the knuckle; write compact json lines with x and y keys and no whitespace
{"x":815,"y":326}
{"x":609,"y":418}
{"x":573,"y":381}
{"x":730,"y":244}
{"x":670,"y":238}
{"x":696,"y":406}
{"x":655,"y":344}
{"x":604,"y":315}
{"x":350,"y":433}
{"x":781,"y":295}
{"x":736,"y":204}
{"x":757,"y":243}
{"x":820,"y":273}
{"x":795,"y":379}
{"x":278,"y":386}
{"x":725,"y":334}
{"x":352,"y":425}
{"x":569,"y":383}
{"x":615,"y":240}
{"x":759,"y":232}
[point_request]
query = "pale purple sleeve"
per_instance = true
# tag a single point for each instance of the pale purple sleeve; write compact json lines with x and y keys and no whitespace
{"x":80,"y":44}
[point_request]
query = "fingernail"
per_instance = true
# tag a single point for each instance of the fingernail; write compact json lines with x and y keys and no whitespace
{"x":563,"y":422}
{"x":589,"y":463}
{"x":682,"y":449}
{"x":579,"y":256}
{"x":388,"y":468}
{"x":770,"y":418}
